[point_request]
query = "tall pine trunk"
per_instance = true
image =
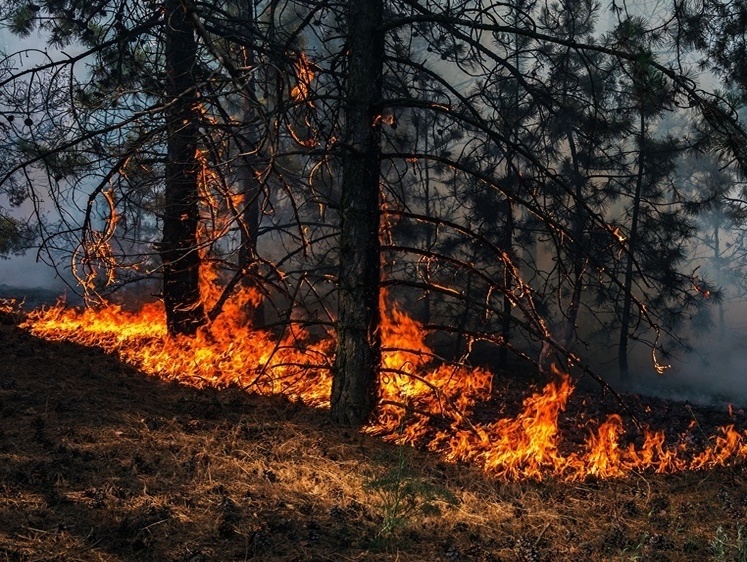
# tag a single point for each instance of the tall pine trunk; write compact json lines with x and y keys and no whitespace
{"x":719,"y":261}
{"x":507,"y":244}
{"x":250,"y":213}
{"x":626,"y":312}
{"x":178,"y":248}
{"x":580,"y":250}
{"x":358,"y":358}
{"x":250,"y":188}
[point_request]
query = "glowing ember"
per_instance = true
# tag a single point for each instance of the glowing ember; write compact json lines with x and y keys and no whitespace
{"x":416,"y":390}
{"x":304,"y":77}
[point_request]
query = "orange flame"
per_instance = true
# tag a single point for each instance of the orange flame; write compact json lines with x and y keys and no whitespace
{"x":304,"y":77}
{"x":416,"y":390}
{"x":227,"y":352}
{"x":92,"y":262}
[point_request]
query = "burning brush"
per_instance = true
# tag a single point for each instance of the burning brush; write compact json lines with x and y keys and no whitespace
{"x":424,"y":402}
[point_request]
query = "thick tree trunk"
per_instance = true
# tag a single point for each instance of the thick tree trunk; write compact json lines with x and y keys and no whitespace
{"x":178,"y":249}
{"x":358,"y":358}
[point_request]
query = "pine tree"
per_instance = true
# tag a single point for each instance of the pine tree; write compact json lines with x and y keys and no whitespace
{"x":179,"y":246}
{"x":357,"y":360}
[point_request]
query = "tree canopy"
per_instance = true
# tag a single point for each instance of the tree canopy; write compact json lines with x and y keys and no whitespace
{"x":531,"y":175}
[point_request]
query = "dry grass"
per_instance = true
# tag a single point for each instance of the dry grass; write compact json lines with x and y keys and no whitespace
{"x":98,"y":462}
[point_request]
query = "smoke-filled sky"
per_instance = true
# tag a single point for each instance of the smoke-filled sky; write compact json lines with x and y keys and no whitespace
{"x":27,"y":271}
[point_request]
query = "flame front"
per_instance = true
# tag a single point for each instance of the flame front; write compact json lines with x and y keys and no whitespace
{"x":424,"y":401}
{"x":227,"y":352}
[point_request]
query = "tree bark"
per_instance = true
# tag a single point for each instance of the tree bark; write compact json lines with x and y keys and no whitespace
{"x":358,"y":357}
{"x":718,"y":260}
{"x":626,"y":313}
{"x":508,"y":243}
{"x":178,"y":249}
{"x":250,"y":189}
{"x":580,"y":251}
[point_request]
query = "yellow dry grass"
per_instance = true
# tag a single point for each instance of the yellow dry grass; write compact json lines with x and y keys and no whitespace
{"x":99,"y":462}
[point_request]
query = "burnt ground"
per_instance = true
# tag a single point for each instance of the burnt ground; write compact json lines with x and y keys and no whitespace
{"x":99,"y":462}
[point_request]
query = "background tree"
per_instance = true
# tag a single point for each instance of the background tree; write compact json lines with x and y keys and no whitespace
{"x":503,"y":127}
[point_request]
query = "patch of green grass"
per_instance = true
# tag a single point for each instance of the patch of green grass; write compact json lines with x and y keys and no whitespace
{"x":405,"y":496}
{"x":724,"y":548}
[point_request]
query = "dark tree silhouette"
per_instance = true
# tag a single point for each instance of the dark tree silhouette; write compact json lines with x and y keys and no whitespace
{"x":528,"y":199}
{"x":358,"y":357}
{"x":178,"y":248}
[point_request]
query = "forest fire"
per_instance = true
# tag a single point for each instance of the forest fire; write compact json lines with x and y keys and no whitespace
{"x":424,"y":402}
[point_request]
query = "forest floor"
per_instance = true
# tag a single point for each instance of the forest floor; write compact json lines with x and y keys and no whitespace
{"x":99,"y":462}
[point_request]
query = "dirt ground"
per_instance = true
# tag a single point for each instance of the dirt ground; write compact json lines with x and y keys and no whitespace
{"x":99,"y":462}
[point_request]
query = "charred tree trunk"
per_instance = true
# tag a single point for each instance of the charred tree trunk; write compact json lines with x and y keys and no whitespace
{"x":250,"y":217}
{"x":429,"y":238}
{"x":251,"y":191}
{"x":178,"y":248}
{"x":358,"y":358}
{"x":719,"y":260}
{"x":626,"y":313}
{"x":508,"y":242}
{"x":580,"y":251}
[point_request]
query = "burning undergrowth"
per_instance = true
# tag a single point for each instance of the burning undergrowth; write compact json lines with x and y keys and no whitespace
{"x":98,"y":462}
{"x":433,"y":405}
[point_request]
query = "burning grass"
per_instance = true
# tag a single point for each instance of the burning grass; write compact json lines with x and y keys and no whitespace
{"x":100,"y":462}
{"x":427,"y":403}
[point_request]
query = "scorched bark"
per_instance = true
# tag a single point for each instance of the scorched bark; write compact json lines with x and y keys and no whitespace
{"x":358,"y":358}
{"x":179,"y":248}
